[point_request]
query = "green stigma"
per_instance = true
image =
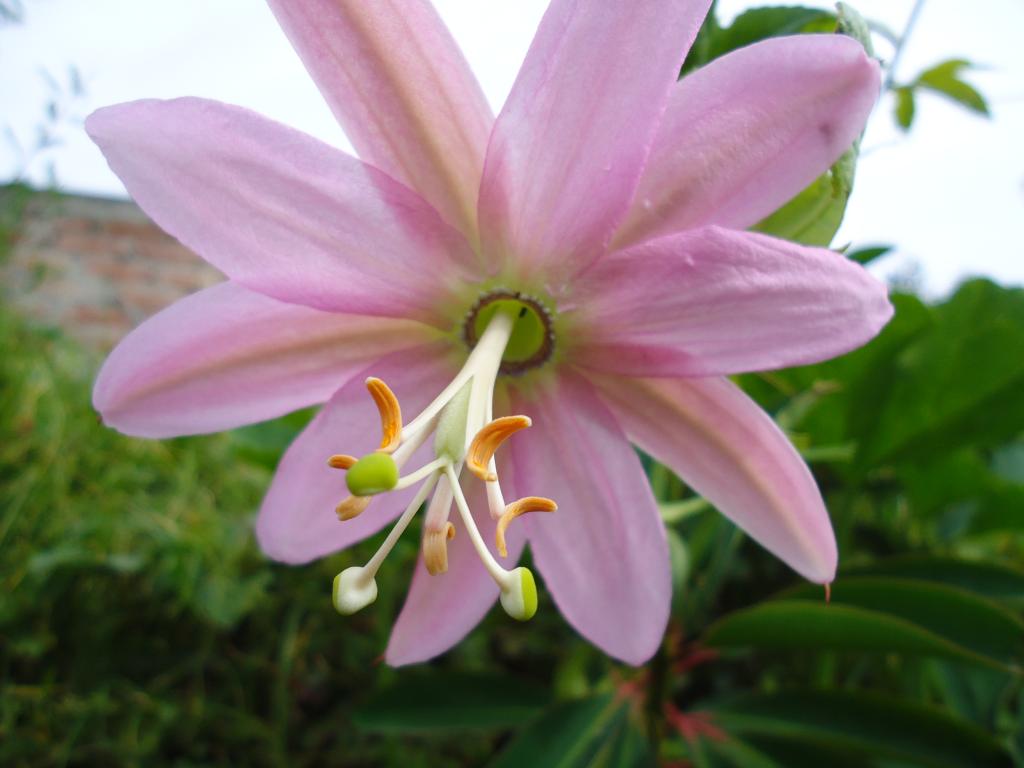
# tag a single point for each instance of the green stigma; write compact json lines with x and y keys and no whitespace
{"x":528,"y":333}
{"x":336,"y":589}
{"x":529,"y":587}
{"x":374,"y":473}
{"x":519,"y":594}
{"x":531,"y":342}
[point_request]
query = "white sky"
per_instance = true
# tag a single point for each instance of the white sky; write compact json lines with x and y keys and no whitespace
{"x":951,"y":196}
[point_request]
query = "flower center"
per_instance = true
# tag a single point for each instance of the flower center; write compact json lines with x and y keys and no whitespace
{"x":532,"y":341}
{"x":503,"y":328}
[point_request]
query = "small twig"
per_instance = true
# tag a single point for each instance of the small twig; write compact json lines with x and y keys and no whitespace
{"x":901,"y":44}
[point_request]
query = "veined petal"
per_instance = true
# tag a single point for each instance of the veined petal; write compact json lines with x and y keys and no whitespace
{"x":603,"y":554}
{"x":280,"y":212}
{"x":730,"y":451}
{"x":398,"y":84}
{"x":297,"y":522}
{"x":569,"y":145}
{"x":227,"y":356}
{"x":747,"y":132}
{"x":715,"y":301}
{"x":441,"y":610}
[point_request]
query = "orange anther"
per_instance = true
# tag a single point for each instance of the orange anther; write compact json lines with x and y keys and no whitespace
{"x":341,"y":461}
{"x":352,"y":506}
{"x":390,"y":414}
{"x":486,"y":442}
{"x":514,"y":510}
{"x":435,"y":549}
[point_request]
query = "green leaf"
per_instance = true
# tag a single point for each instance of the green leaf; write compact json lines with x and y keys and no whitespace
{"x":753,"y":25}
{"x":796,"y":625}
{"x":957,"y":385}
{"x":933,"y":485}
{"x":905,"y":107}
{"x":869,"y":254}
{"x":674,"y":511}
{"x":679,"y":556}
{"x":701,"y":51}
{"x":731,"y":753}
{"x":262,"y":444}
{"x":962,"y":494}
{"x":881,"y":615}
{"x":626,"y":746}
{"x":568,"y":735}
{"x":765,"y":752}
{"x":451,"y":700}
{"x":970,"y":622}
{"x":849,"y":22}
{"x":762,"y":23}
{"x":870,"y":725}
{"x":1008,"y":462}
{"x":862,"y":379}
{"x":991,"y":580}
{"x":1000,"y":508}
{"x":945,"y":79}
{"x":814,"y":215}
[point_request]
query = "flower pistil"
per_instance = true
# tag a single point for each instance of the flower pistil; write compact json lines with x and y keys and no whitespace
{"x":465,"y":434}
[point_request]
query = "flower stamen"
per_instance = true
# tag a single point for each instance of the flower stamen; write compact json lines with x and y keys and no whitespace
{"x":390,"y":414}
{"x":461,"y":415}
{"x":341,"y":461}
{"x":414,"y":477}
{"x":495,"y":499}
{"x":486,"y":442}
{"x":518,"y":588}
{"x":435,"y":549}
{"x":356,"y":587}
{"x":435,"y":525}
{"x":352,"y":506}
{"x":514,"y":510}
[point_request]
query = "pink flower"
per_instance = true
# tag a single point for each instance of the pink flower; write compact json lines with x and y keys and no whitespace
{"x":601,"y":213}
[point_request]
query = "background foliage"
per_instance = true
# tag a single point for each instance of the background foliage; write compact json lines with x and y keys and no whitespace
{"x":139,"y":624}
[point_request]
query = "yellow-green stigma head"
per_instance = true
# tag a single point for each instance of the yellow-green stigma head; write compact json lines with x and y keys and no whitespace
{"x":374,"y":473}
{"x":531,"y":343}
{"x":519,"y":598}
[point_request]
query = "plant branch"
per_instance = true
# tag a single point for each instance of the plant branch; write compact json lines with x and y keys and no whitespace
{"x":901,"y":44}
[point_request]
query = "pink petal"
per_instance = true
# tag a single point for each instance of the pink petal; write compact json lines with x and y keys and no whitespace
{"x":569,"y":145}
{"x":603,"y":554}
{"x":441,"y":610}
{"x":730,"y":451}
{"x":715,"y":301}
{"x":401,"y":89}
{"x":746,"y":133}
{"x":227,"y":356}
{"x":281,"y":213}
{"x":297,"y":522}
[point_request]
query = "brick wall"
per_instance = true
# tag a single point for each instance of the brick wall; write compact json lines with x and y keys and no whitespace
{"x":95,"y":267}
